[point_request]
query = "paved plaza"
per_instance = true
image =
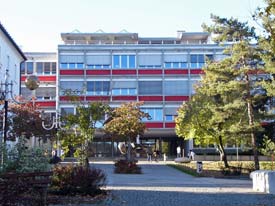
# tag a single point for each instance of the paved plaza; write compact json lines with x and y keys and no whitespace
{"x":162,"y":185}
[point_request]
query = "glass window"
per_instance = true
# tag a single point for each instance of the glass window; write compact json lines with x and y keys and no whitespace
{"x":150,"y":87}
{"x":98,"y":66}
{"x":155,"y":114}
{"x":168,"y":65}
{"x":22,"y":68}
{"x":71,"y":65}
{"x":124,"y":91}
{"x":201,"y":58}
{"x":79,"y":65}
{"x":47,"y":68}
{"x":132,"y":91}
{"x":116,"y":61}
{"x":106,"y":66}
{"x":39,"y":67}
{"x":194,"y":65}
{"x":66,"y":111}
{"x":124,"y":61}
{"x":29,"y":67}
{"x":169,"y":117}
{"x":116,"y":91}
{"x":63,"y":65}
{"x":53,"y":68}
{"x":132,"y":61}
{"x":176,"y":65}
{"x":194,"y":58}
{"x":184,"y":65}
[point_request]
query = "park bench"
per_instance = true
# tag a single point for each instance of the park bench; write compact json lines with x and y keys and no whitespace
{"x":37,"y":181}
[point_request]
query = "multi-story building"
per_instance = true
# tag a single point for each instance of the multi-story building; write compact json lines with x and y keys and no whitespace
{"x":123,"y":67}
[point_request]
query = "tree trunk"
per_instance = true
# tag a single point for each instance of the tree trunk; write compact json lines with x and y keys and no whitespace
{"x":129,"y":150}
{"x":222,"y":153}
{"x":251,"y":124}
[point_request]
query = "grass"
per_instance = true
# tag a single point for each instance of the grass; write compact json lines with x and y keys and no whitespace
{"x":216,"y":169}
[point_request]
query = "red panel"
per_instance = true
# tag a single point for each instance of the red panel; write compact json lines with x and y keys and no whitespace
{"x":98,"y":72}
{"x":71,"y":72}
{"x":122,"y":71}
{"x":150,"y":71}
{"x":117,"y":98}
{"x":45,"y":104}
{"x":42,"y":78}
{"x":67,"y":98}
{"x":170,"y":125}
{"x":154,"y":124}
{"x":176,"y":98}
{"x":176,"y":71}
{"x":196,"y":71}
{"x":98,"y":98}
{"x":150,"y":98}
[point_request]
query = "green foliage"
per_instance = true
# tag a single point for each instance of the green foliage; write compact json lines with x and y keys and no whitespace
{"x":229,"y":30}
{"x":22,"y":159}
{"x":81,"y":128}
{"x":268,"y":148}
{"x":127,"y":167}
{"x":74,"y":180}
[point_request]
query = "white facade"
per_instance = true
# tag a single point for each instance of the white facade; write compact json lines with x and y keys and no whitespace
{"x":10,"y":58}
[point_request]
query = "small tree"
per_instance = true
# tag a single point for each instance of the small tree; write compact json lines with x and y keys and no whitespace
{"x":269,"y":149}
{"x":81,"y":129}
{"x":126,"y":123}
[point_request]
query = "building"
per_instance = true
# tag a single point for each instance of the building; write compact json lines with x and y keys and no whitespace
{"x":122,"y":67}
{"x":11,"y":57}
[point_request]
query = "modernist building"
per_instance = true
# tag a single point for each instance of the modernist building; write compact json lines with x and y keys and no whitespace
{"x":123,"y":67}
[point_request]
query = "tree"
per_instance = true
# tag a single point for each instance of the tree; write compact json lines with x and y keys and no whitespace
{"x":125,"y":123}
{"x":246,"y":60}
{"x":268,"y":149}
{"x":81,"y":129}
{"x":209,"y":115}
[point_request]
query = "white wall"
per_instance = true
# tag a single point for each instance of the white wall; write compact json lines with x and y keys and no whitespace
{"x":10,"y":59}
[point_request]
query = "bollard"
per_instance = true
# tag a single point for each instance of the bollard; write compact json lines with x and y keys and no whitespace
{"x":199,"y":167}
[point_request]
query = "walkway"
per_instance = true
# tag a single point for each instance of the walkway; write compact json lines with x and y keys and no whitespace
{"x":160,"y":185}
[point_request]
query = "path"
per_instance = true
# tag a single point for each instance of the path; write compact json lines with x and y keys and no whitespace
{"x":160,"y":185}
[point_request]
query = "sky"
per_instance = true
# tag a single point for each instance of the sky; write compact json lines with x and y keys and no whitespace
{"x":36,"y":25}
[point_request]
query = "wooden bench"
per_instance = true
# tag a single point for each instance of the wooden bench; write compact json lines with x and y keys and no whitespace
{"x":39,"y":181}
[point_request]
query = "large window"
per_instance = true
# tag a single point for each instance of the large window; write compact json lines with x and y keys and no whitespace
{"x":124,"y":61}
{"x":98,"y":88}
{"x":176,"y":87}
{"x":29,"y":67}
{"x":65,"y":65}
{"x":150,"y":87}
{"x":71,"y":88}
{"x":175,"y":65}
{"x":124,"y":91}
{"x":156,"y":114}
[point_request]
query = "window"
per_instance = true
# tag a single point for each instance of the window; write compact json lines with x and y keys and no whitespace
{"x":156,"y":114}
{"x":22,"y":68}
{"x":71,"y":87}
{"x":98,"y":66}
{"x":39,"y":67}
{"x":170,"y":117}
{"x":124,"y":61}
{"x":176,"y":87}
{"x":29,"y":67}
{"x":63,"y":65}
{"x":66,"y":111}
{"x":47,"y":68}
{"x":71,"y":65}
{"x":98,"y":88}
{"x":197,"y":61}
{"x":124,"y":91}
{"x":175,"y":65}
{"x":53,"y":68}
{"x":150,"y":87}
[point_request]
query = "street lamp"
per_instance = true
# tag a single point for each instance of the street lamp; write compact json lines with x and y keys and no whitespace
{"x":6,"y":91}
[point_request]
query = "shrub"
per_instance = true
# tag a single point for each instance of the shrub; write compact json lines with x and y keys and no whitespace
{"x":127,"y":167}
{"x":73,"y":180}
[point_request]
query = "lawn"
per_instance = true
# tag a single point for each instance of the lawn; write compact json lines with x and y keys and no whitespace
{"x":216,"y":169}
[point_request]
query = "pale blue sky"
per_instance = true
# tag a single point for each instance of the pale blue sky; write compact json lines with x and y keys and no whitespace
{"x":36,"y":24}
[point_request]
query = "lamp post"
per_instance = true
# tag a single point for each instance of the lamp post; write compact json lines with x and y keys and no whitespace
{"x":6,"y":95}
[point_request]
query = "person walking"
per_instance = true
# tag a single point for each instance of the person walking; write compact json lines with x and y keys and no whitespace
{"x":178,"y":151}
{"x":149,"y":154}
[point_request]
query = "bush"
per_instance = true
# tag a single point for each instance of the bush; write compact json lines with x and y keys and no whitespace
{"x":73,"y":180}
{"x":127,"y":167}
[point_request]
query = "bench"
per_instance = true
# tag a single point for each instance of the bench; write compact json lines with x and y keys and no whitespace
{"x":263,"y":181}
{"x":38,"y":181}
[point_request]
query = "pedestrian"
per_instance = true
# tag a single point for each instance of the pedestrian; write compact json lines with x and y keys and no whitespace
{"x":178,"y":151}
{"x":192,"y":155}
{"x":149,"y":154}
{"x":156,"y":155}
